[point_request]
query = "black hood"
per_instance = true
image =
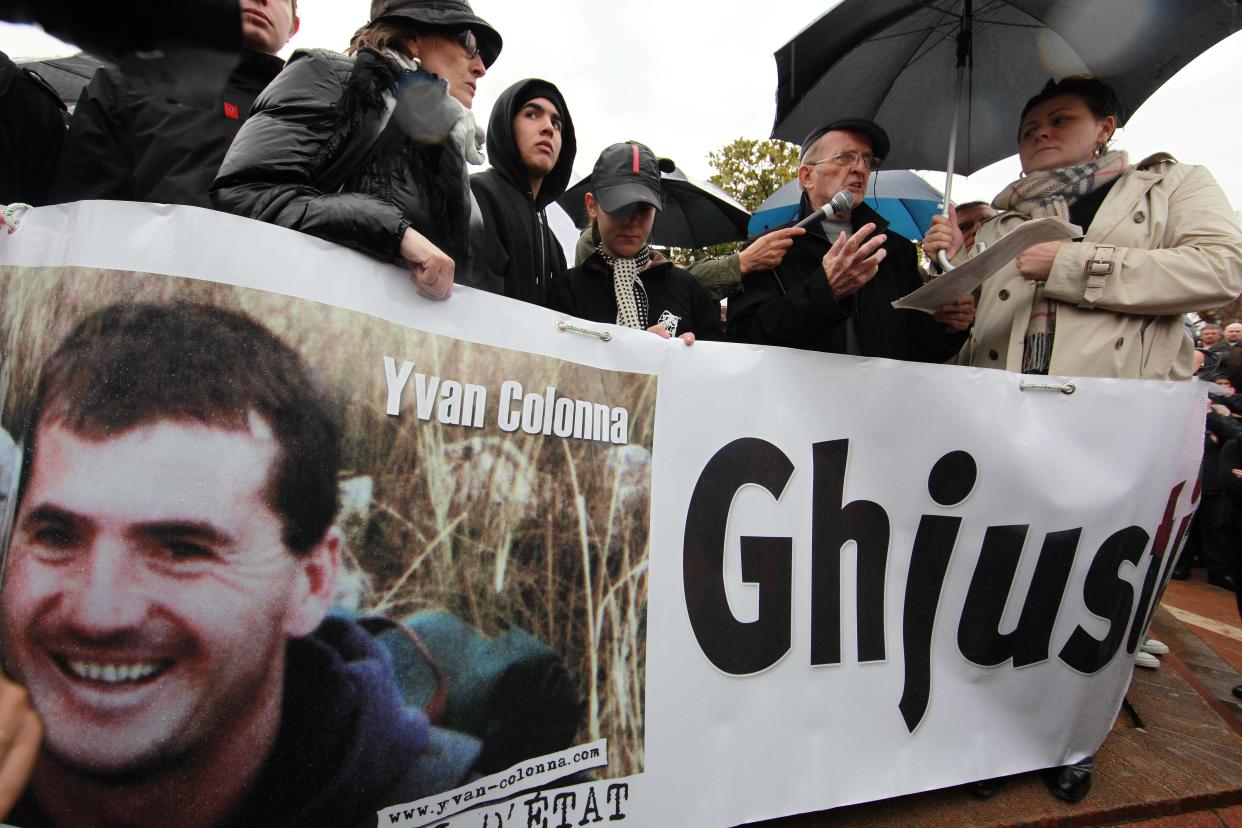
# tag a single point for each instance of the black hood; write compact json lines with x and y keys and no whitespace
{"x":502,"y":149}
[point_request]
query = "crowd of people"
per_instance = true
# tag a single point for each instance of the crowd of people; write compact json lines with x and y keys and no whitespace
{"x":373,"y":149}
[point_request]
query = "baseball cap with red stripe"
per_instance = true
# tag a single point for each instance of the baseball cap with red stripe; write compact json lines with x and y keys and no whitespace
{"x":628,"y":174}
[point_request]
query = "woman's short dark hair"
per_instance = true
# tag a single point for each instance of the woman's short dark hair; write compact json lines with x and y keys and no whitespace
{"x":1095,"y":93}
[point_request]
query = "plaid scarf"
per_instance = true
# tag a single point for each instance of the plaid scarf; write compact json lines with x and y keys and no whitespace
{"x":1050,"y":193}
{"x":631,"y":295}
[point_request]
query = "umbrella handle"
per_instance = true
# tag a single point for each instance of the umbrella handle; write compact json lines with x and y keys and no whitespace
{"x":943,"y":261}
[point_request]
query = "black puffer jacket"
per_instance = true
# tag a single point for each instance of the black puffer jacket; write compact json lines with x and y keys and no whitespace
{"x":522,"y":257}
{"x":308,"y":115}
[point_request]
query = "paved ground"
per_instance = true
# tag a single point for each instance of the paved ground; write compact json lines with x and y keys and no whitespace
{"x":1179,"y":766}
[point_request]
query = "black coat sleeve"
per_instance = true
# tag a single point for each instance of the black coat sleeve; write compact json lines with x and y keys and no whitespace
{"x":96,"y":161}
{"x":291,"y":136}
{"x":1223,"y":426}
{"x":768,"y":312}
{"x":927,"y":339}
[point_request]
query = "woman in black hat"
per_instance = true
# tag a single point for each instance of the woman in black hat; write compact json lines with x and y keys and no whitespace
{"x":371,"y":150}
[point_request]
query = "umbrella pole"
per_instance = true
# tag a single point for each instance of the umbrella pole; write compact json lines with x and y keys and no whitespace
{"x":948,"y":176}
{"x":963,"y":54}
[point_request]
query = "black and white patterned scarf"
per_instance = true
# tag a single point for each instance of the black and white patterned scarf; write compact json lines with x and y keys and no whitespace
{"x":628,"y":287}
{"x":1050,"y":193}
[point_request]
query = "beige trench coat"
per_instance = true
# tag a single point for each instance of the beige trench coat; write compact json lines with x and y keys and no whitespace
{"x":1174,"y":246}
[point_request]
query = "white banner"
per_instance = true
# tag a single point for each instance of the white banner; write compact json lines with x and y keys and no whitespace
{"x":855,"y":579}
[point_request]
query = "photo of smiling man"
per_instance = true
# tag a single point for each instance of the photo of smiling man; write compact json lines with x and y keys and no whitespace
{"x":167,"y":588}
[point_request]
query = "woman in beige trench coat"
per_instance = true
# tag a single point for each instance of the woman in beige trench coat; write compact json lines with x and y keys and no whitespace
{"x":1160,"y":240}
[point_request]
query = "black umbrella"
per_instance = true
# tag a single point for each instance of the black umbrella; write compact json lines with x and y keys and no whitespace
{"x":695,"y":214}
{"x":115,"y":29}
{"x":948,"y":78}
{"x":66,"y":75}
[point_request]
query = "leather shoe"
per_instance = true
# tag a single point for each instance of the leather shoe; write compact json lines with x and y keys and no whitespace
{"x":1237,"y":691}
{"x":1071,"y":782}
{"x":1223,"y":581}
{"x":985,"y":788}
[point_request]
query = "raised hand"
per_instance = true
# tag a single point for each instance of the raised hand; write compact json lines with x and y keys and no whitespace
{"x":852,"y":262}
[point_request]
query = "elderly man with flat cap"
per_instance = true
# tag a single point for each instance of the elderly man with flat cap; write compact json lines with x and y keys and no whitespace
{"x":835,"y":287}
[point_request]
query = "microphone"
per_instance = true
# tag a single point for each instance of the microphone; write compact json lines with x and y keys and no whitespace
{"x":842,"y":202}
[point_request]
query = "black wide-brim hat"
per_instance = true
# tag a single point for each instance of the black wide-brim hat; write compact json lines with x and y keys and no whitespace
{"x":455,"y":14}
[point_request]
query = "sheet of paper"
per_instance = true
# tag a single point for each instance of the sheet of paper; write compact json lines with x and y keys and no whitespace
{"x":966,"y":277}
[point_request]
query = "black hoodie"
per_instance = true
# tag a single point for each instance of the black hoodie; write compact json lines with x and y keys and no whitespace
{"x":522,"y":256}
{"x":33,"y":125}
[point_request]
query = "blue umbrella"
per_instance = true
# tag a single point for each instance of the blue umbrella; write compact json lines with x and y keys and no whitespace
{"x":905,"y":200}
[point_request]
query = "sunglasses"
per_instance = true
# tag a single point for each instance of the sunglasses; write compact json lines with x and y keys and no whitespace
{"x":466,"y":40}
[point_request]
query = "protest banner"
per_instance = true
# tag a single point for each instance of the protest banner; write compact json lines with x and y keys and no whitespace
{"x":651,"y":583}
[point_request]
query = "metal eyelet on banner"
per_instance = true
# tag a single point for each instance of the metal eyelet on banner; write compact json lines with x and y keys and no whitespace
{"x":1063,"y":387}
{"x":563,"y":326}
{"x":11,"y":216}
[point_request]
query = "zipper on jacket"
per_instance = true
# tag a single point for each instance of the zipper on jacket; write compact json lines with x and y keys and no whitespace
{"x":541,"y":271}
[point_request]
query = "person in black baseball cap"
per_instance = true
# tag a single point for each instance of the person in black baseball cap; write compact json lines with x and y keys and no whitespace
{"x":624,"y":281}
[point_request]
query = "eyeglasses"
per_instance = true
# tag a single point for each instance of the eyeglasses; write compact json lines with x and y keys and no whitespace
{"x":466,"y":39}
{"x":849,"y":158}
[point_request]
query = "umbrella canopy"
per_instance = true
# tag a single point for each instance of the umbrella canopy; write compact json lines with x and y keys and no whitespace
{"x":112,"y":30}
{"x":905,"y":200}
{"x":895,"y":61}
{"x":66,"y":75}
{"x":695,"y":214}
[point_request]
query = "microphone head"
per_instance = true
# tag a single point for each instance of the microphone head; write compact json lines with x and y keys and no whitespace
{"x":842,"y":202}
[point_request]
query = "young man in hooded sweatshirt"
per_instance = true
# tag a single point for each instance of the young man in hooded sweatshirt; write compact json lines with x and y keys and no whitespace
{"x":624,"y":280}
{"x":531,"y":146}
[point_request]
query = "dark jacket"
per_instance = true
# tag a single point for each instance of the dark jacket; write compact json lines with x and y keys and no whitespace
{"x":128,"y":143}
{"x":347,"y":746}
{"x":32,"y":132}
{"x":1220,"y":429}
{"x":521,"y":255}
{"x":793,"y":305}
{"x":1231,"y":485}
{"x":312,"y":111}
{"x":587,"y":292}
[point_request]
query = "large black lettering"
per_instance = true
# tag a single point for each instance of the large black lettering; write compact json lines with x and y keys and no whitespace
{"x":832,"y":526}
{"x":1107,"y":596}
{"x":734,"y":646}
{"x":978,"y":634}
{"x":951,"y":480}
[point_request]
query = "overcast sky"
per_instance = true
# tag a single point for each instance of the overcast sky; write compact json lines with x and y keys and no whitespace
{"x":689,"y":77}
